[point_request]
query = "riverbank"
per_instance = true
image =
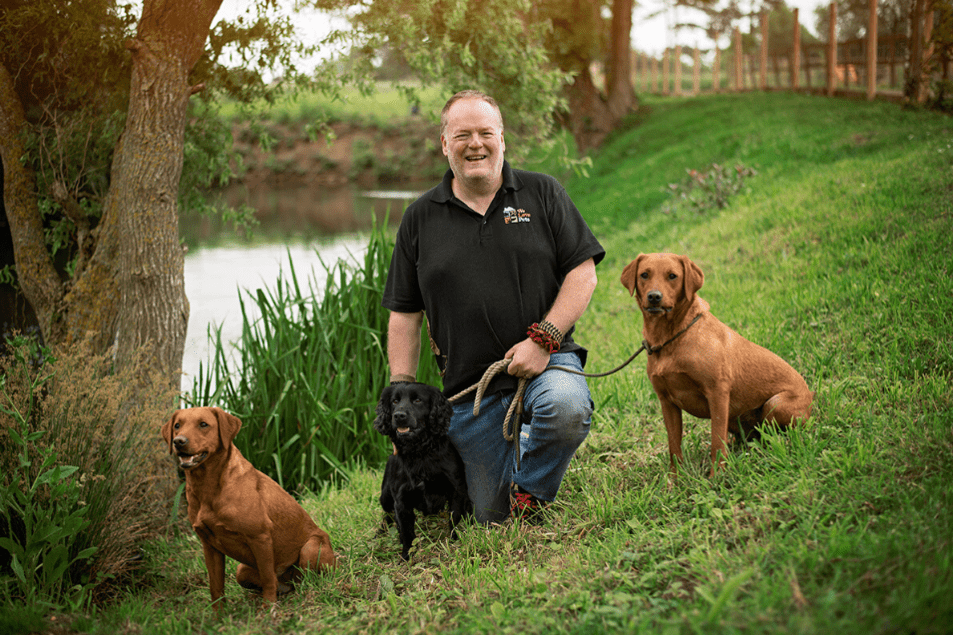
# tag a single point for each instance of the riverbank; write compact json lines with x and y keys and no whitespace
{"x":835,"y":255}
{"x":288,"y":155}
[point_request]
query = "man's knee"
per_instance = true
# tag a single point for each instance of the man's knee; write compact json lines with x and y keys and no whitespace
{"x":569,"y":414}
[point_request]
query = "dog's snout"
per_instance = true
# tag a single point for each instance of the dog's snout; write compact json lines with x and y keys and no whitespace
{"x":654,"y":297}
{"x":180,"y":441}
{"x":400,"y":416}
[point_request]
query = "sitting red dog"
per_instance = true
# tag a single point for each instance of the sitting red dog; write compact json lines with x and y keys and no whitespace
{"x":240,"y":512}
{"x":700,"y":365}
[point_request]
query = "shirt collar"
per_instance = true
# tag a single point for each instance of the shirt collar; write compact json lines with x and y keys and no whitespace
{"x":444,"y":192}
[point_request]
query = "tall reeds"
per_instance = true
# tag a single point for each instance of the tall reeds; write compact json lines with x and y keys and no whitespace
{"x":306,"y":375}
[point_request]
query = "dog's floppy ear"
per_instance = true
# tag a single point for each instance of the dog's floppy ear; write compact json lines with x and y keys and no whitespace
{"x":440,"y":412}
{"x":382,"y":421}
{"x":167,"y":430}
{"x":630,"y":275}
{"x":694,"y":278}
{"x":228,"y":426}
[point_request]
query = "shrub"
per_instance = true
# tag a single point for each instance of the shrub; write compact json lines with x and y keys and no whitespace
{"x":83,"y":478}
{"x":708,"y":189}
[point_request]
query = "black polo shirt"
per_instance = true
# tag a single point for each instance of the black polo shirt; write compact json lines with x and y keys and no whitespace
{"x":483,"y":280}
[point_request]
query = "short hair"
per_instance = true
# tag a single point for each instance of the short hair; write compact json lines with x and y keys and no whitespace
{"x":467,"y":94}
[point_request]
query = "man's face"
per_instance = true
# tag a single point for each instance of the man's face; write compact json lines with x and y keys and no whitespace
{"x":473,"y":140}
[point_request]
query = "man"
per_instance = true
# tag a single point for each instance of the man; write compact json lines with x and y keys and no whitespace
{"x":503,"y":265}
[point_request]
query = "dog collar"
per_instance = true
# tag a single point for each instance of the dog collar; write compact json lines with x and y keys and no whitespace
{"x":651,"y":350}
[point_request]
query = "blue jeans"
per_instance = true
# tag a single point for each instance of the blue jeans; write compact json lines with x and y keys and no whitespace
{"x":557,"y":415}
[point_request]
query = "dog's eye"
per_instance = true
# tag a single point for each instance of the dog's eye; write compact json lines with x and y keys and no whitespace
{"x":418,"y":400}
{"x":177,"y":426}
{"x":672,"y":276}
{"x":644,"y":275}
{"x":202,"y":424}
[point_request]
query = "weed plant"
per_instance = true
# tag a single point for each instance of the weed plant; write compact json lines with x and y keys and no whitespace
{"x":707,"y":189}
{"x":83,"y":481}
{"x":837,"y":258}
{"x":305,"y":376}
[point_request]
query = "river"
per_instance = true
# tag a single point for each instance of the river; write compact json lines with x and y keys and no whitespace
{"x":217,"y":276}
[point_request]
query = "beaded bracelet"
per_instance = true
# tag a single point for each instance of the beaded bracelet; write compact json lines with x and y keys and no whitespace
{"x":546,"y":335}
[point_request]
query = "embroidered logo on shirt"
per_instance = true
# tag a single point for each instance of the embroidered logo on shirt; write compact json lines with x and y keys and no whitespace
{"x":511,"y":215}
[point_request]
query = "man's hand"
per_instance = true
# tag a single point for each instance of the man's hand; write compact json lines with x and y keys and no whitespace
{"x":529,"y":359}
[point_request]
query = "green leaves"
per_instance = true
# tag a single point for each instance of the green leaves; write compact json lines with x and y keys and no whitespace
{"x":43,"y":516}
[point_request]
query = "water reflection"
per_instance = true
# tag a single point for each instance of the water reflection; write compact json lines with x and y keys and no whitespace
{"x":216,"y":277}
{"x":308,"y":224}
{"x":306,"y":210}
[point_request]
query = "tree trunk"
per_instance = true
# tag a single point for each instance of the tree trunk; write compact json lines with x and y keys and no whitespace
{"x":132,"y":291}
{"x":147,"y":167}
{"x":913,"y":86}
{"x":621,"y":94}
{"x":38,"y":278}
{"x":589,"y":118}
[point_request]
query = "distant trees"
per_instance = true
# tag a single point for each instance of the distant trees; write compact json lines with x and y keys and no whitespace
{"x":535,"y":58}
{"x":585,"y":32}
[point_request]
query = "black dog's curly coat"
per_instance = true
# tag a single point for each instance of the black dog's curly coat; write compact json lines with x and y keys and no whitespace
{"x":426,"y":471}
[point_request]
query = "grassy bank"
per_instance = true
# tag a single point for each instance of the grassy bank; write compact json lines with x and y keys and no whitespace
{"x":836,"y":255}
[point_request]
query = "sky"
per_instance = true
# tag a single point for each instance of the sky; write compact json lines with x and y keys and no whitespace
{"x":655,"y":35}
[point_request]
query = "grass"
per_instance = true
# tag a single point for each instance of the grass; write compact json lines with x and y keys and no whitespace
{"x":837,"y":257}
{"x":381,"y":107}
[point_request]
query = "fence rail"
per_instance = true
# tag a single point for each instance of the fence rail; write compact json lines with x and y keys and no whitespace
{"x":871,"y":67}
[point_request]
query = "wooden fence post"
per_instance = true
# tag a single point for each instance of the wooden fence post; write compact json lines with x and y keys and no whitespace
{"x":832,"y":51}
{"x":647,"y":69}
{"x":639,"y":82}
{"x":872,"y":51}
{"x":763,"y":68}
{"x":655,"y":86}
{"x":716,"y":70}
{"x":697,"y":74}
{"x":677,"y":68}
{"x":796,"y":54}
{"x":666,"y":58}
{"x":739,"y":85}
{"x":928,"y":49}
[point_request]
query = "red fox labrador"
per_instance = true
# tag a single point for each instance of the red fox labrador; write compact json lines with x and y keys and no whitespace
{"x":240,"y":512}
{"x":699,"y":365}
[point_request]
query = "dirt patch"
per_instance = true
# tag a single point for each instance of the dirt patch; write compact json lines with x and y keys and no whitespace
{"x":366,"y":156}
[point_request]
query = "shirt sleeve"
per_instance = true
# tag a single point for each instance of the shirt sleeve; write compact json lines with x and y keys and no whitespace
{"x":402,"y":289}
{"x":575,"y":242}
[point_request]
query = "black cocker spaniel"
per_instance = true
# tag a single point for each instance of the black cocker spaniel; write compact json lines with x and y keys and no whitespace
{"x":425,"y":472}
